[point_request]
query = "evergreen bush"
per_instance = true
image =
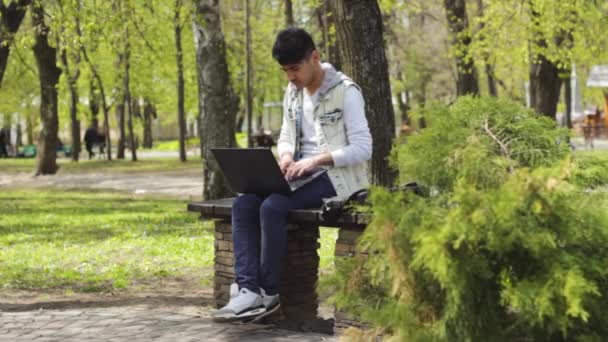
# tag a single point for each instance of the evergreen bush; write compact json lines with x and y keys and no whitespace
{"x":511,"y":243}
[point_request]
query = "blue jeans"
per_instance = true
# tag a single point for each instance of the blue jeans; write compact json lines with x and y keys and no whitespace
{"x":259,"y":232}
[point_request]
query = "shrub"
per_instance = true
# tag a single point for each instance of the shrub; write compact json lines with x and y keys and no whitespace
{"x":506,"y":247}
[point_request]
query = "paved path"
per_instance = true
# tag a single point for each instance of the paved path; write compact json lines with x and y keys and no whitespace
{"x":181,"y":184}
{"x":133,"y":324}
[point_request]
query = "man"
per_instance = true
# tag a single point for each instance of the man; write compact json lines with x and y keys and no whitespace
{"x":91,"y":138}
{"x":324,"y":126}
{"x":3,"y":138}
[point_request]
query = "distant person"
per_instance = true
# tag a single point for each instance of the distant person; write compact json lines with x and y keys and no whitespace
{"x":589,"y":125}
{"x":3,"y":138}
{"x":101,"y":142}
{"x":263,"y":138}
{"x":91,"y":138}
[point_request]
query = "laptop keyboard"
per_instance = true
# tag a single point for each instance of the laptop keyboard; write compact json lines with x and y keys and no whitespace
{"x":299,"y":182}
{"x":294,"y":184}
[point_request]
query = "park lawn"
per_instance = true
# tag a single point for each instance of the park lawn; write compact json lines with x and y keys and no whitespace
{"x":100,"y":241}
{"x":173,"y":145}
{"x":104,"y":166}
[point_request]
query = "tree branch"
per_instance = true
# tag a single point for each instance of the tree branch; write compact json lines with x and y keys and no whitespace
{"x":504,"y":148}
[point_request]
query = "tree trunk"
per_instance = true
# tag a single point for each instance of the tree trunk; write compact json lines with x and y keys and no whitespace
{"x":489,"y":68}
{"x":72,"y":77}
{"x":11,"y":16}
{"x":361,"y":45}
{"x":102,"y":96}
{"x":181,"y":115}
{"x":568,"y":98}
{"x":320,"y":13}
{"x":128,"y":103}
{"x":545,"y":82}
{"x":249,"y":74}
{"x":93,"y":100}
{"x":29,"y":130}
{"x":149,"y":114}
{"x":544,"y":86}
{"x":48,"y":73}
{"x":217,"y":102}
{"x":327,"y":24}
{"x":466,"y":74}
{"x":289,"y":22}
{"x":19,"y":133}
{"x":120,"y":105}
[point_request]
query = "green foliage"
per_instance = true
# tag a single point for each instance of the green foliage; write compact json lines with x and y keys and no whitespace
{"x":591,"y":169}
{"x":507,"y":246}
{"x":478,"y":140}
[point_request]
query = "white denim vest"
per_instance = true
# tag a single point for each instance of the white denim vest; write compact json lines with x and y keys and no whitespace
{"x":330,"y":132}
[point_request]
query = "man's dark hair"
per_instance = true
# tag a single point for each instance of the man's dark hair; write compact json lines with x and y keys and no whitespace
{"x":292,"y":46}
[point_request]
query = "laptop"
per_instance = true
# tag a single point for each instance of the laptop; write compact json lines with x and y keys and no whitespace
{"x":255,"y":170}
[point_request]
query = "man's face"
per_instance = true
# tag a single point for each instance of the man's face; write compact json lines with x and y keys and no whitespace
{"x":301,"y":74}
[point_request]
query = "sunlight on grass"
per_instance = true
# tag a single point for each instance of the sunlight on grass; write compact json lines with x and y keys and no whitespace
{"x":98,"y":241}
{"x":173,"y":145}
{"x":328,"y":237}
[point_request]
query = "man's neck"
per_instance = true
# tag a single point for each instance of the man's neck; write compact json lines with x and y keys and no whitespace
{"x":317,"y":81}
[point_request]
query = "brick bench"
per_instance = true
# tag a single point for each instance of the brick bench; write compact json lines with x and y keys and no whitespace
{"x":299,"y":300}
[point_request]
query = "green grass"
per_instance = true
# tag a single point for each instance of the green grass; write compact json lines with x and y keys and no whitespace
{"x":173,"y":145}
{"x":98,"y":241}
{"x":596,"y":153}
{"x":193,"y":143}
{"x":102,"y":166}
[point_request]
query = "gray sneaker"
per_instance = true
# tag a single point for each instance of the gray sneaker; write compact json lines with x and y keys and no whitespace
{"x":234,"y":290}
{"x":245,"y":305}
{"x":271,"y":303}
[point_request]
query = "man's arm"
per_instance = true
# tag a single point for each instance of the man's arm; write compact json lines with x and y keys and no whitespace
{"x":284,"y":144}
{"x":307,"y":166}
{"x":359,"y":148}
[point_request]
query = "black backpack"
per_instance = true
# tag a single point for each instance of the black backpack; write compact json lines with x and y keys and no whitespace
{"x":334,"y":207}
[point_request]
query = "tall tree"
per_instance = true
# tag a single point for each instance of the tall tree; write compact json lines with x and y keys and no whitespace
{"x":127,"y":97}
{"x":181,"y":114}
{"x":11,"y":16}
{"x":545,"y":81}
{"x":46,"y":59}
{"x":120,"y":103}
{"x":217,"y":103}
{"x":489,"y":68}
{"x":327,"y":25}
{"x":70,"y":63}
{"x":289,"y":22}
{"x":248,"y":73}
{"x":466,"y":75}
{"x":98,"y":84}
{"x":72,"y":79}
{"x":361,"y":44}
{"x":121,"y":44}
{"x":149,"y":114}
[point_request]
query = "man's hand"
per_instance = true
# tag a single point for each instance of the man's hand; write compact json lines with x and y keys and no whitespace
{"x":285,"y":162}
{"x":301,"y":168}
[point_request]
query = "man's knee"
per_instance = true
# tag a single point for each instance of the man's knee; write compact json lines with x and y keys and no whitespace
{"x":273,"y":206}
{"x":246,"y":203}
